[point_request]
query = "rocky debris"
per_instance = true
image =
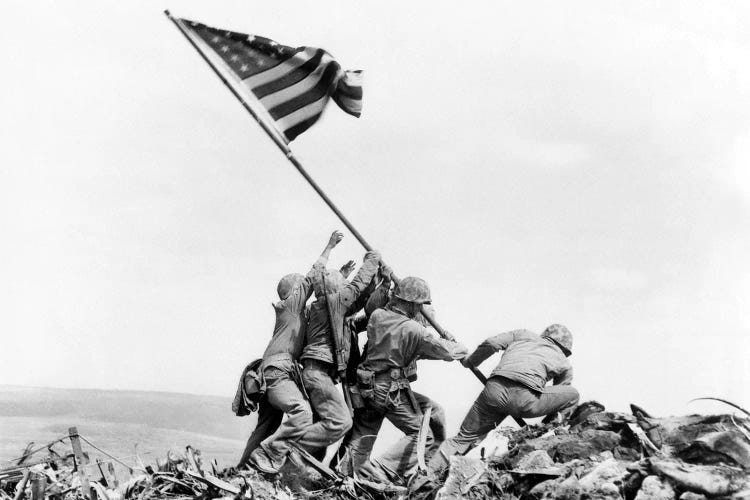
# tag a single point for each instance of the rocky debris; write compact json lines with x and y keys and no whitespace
{"x":594,"y":454}
{"x":597,"y":454}
{"x":711,"y":480}
{"x":464,"y":473}
{"x":654,"y":488}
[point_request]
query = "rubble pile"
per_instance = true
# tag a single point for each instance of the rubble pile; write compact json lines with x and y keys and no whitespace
{"x":593,"y":454}
{"x":597,"y":454}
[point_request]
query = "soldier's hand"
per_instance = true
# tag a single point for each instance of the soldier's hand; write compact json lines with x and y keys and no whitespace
{"x":372,"y":255}
{"x":448,"y":335}
{"x":347,"y":268}
{"x":385,"y":271}
{"x":335,"y":238}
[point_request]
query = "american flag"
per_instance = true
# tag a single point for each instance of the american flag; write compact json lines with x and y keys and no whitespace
{"x":292,"y":85}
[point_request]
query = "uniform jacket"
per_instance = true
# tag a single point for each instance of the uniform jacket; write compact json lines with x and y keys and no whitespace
{"x":395,"y":341}
{"x":528,"y":359}
{"x":338,"y":305}
{"x":288,"y":337}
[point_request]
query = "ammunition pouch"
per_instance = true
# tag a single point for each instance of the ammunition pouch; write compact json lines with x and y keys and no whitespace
{"x":365,"y":383}
{"x":396,"y":380}
{"x":355,"y":396}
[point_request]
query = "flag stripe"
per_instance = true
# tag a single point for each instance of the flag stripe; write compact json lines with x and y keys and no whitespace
{"x":344,"y":89}
{"x":320,"y":89}
{"x":292,"y":91}
{"x":351,"y":106}
{"x":303,"y":55}
{"x":290,"y":78}
{"x":302,"y":114}
{"x":296,"y":130}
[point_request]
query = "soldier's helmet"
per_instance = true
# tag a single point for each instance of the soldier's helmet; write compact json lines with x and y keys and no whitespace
{"x":331,"y":281}
{"x":287,"y":284}
{"x":561,"y":336}
{"x":411,"y":289}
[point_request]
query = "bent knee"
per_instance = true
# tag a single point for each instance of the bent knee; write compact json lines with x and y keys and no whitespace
{"x":338,"y":426}
{"x":575,"y":396}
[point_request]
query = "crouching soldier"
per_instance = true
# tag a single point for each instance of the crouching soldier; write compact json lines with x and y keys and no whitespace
{"x":328,"y":346}
{"x":395,"y":340}
{"x":517,"y":387}
{"x":284,"y":392}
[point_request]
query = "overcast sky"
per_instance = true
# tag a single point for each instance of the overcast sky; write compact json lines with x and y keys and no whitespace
{"x":576,"y":163}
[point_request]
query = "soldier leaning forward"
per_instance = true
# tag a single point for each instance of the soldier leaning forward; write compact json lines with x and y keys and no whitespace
{"x":394,"y":342}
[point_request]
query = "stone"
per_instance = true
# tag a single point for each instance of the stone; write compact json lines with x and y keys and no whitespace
{"x":711,"y":480}
{"x":555,"y":489}
{"x":462,"y":474}
{"x":535,"y":460}
{"x":495,"y":445}
{"x":719,"y":447}
{"x":609,"y":471}
{"x":689,"y":495}
{"x":653,"y":488}
{"x":566,"y":447}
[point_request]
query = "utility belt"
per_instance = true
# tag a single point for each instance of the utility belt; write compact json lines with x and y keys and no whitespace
{"x":286,"y":363}
{"x":397,"y":380}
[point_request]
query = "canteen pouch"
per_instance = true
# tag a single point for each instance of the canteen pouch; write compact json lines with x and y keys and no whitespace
{"x":365,"y":380}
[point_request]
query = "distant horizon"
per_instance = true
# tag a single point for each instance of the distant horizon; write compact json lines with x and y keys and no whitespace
{"x":696,"y":400}
{"x":16,"y":386}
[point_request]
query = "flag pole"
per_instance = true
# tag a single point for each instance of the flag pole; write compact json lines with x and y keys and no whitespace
{"x":274,"y":135}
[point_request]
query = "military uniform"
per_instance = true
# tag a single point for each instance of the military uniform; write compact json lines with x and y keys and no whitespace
{"x":516,"y":387}
{"x":394,"y":343}
{"x":322,"y":360}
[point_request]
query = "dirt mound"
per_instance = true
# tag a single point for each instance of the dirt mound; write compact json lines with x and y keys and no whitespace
{"x":594,"y":454}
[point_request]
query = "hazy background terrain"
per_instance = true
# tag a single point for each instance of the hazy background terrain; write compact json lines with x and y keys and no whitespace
{"x":116,"y":421}
{"x":582,"y":162}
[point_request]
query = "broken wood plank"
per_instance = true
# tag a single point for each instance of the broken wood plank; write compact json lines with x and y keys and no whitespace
{"x":81,"y":461}
{"x":21,"y":486}
{"x":316,"y":464}
{"x":38,"y":485}
{"x":424,"y":431}
{"x":112,"y":475}
{"x":26,"y":453}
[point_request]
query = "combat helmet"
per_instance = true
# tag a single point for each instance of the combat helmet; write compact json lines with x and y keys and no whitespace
{"x":561,"y":336}
{"x":415,"y":290}
{"x":287,"y":284}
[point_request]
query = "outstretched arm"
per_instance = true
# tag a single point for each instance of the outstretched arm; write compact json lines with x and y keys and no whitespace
{"x":431,"y":347}
{"x":299,"y":295}
{"x":334,"y":240}
{"x":363,"y":277}
{"x":498,"y":343}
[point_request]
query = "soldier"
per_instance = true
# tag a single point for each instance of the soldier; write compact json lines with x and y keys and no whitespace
{"x":284,"y":392}
{"x":395,"y":461}
{"x":394,"y":342}
{"x":328,"y":347}
{"x":517,"y":387}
